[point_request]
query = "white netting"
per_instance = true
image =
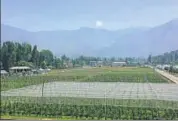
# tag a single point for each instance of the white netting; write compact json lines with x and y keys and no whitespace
{"x":116,"y":90}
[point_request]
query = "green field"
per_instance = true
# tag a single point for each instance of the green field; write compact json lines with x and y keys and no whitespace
{"x":163,"y":104}
{"x":80,"y":108}
{"x":88,"y":108}
{"x":105,"y":74}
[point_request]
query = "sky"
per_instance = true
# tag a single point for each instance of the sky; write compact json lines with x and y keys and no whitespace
{"x":40,"y":15}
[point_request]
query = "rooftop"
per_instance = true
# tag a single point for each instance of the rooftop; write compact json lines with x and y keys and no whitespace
{"x":119,"y":62}
{"x":176,"y":66}
{"x":4,"y":72}
{"x":19,"y":67}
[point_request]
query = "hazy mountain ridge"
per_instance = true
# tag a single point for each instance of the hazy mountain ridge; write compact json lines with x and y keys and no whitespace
{"x":101,"y":42}
{"x":157,"y":40}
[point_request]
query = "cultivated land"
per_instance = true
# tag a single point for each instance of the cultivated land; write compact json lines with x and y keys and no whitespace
{"x":111,"y":93}
{"x":115,"y":90}
{"x":105,"y":74}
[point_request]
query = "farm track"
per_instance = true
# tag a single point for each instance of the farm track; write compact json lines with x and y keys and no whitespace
{"x":168,"y":76}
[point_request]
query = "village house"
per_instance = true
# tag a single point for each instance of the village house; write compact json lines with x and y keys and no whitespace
{"x":4,"y":73}
{"x":20,"y":70}
{"x":115,"y":64}
{"x":93,"y":63}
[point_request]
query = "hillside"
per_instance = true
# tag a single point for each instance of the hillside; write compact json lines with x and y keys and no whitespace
{"x":100,"y":42}
{"x":157,"y":40}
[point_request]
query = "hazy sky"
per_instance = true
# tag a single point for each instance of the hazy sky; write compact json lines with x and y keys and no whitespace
{"x":71,"y":14}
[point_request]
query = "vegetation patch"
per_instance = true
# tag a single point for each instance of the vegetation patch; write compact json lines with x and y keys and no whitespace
{"x":106,"y":74}
{"x":81,"y":108}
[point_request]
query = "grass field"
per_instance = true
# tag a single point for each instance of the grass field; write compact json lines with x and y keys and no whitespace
{"x":105,"y":74}
{"x":22,"y":96}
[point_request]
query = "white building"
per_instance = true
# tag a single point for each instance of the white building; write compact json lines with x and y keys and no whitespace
{"x":4,"y":73}
{"x":99,"y":63}
{"x":20,"y":69}
{"x":163,"y":67}
{"x":118,"y":64}
{"x":175,"y":67}
{"x":93,"y":63}
{"x":159,"y":66}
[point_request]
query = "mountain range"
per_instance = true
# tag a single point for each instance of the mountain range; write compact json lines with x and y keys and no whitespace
{"x":134,"y":42}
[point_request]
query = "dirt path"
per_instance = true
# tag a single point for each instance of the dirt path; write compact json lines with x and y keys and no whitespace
{"x":167,"y":75}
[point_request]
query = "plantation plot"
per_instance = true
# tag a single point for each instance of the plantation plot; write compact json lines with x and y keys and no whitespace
{"x":113,"y":90}
{"x":95,"y":93}
{"x":129,"y":75}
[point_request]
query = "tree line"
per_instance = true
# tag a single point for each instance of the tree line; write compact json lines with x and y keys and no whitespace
{"x":25,"y":54}
{"x":166,"y":58}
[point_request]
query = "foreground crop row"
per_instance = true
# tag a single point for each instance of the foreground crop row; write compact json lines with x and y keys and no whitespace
{"x":91,"y":108}
{"x":163,"y":104}
{"x":87,"y":111}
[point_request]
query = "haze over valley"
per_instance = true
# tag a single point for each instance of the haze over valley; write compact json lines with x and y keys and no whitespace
{"x":100,"y":42}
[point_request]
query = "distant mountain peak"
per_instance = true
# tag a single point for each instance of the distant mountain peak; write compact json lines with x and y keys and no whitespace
{"x":173,"y":22}
{"x":99,"y":41}
{"x":176,"y":19}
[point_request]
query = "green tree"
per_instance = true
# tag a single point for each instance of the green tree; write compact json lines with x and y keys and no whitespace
{"x":149,"y":59}
{"x":26,"y":51}
{"x":166,"y":58}
{"x":8,"y":55}
{"x":43,"y":65}
{"x":35,"y":56}
{"x":58,"y":63}
{"x":47,"y":56}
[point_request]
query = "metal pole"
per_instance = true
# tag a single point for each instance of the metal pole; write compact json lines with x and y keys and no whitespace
{"x":105,"y":105}
{"x":42,"y":89}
